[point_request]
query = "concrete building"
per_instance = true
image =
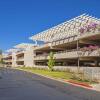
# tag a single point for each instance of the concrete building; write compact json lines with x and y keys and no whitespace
{"x":75,"y":43}
{"x":22,"y":55}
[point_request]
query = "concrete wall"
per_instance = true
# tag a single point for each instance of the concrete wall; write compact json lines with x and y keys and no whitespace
{"x":90,"y":73}
{"x":28,"y":57}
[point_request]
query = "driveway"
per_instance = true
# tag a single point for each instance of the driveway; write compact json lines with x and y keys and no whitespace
{"x":20,"y":85}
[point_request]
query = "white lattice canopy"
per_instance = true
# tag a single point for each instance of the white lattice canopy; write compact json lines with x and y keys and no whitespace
{"x":11,"y":50}
{"x":24,"y":45}
{"x":66,"y":29}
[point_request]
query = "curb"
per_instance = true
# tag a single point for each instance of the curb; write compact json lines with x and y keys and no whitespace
{"x":89,"y":87}
{"x":79,"y":83}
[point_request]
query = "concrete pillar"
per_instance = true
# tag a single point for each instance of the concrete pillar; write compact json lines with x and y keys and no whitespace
{"x":29,"y":57}
{"x":96,"y":63}
{"x":78,"y":55}
{"x":14,"y":59}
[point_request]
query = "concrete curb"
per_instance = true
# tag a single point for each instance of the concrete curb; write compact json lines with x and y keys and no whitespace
{"x":61,"y":80}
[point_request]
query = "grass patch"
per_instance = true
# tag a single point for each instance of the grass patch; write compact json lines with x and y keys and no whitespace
{"x":55,"y":74}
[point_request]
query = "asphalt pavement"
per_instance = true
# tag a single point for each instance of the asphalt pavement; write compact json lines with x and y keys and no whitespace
{"x":20,"y":85}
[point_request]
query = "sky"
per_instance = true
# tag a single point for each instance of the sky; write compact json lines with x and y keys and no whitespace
{"x":20,"y":19}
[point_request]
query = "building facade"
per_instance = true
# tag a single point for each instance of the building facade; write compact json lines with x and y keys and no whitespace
{"x":75,"y":43}
{"x":21,"y":55}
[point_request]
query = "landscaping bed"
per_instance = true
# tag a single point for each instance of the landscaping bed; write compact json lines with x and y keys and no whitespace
{"x":67,"y":76}
{"x":55,"y":74}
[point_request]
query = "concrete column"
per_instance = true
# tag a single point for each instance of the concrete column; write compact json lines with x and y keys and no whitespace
{"x":34,"y":54}
{"x":96,"y":63}
{"x":28,"y":57}
{"x":14,"y":59}
{"x":78,"y":55}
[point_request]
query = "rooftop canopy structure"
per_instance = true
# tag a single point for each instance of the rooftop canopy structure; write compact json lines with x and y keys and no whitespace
{"x":24,"y":45}
{"x":11,"y":50}
{"x":66,"y":29}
